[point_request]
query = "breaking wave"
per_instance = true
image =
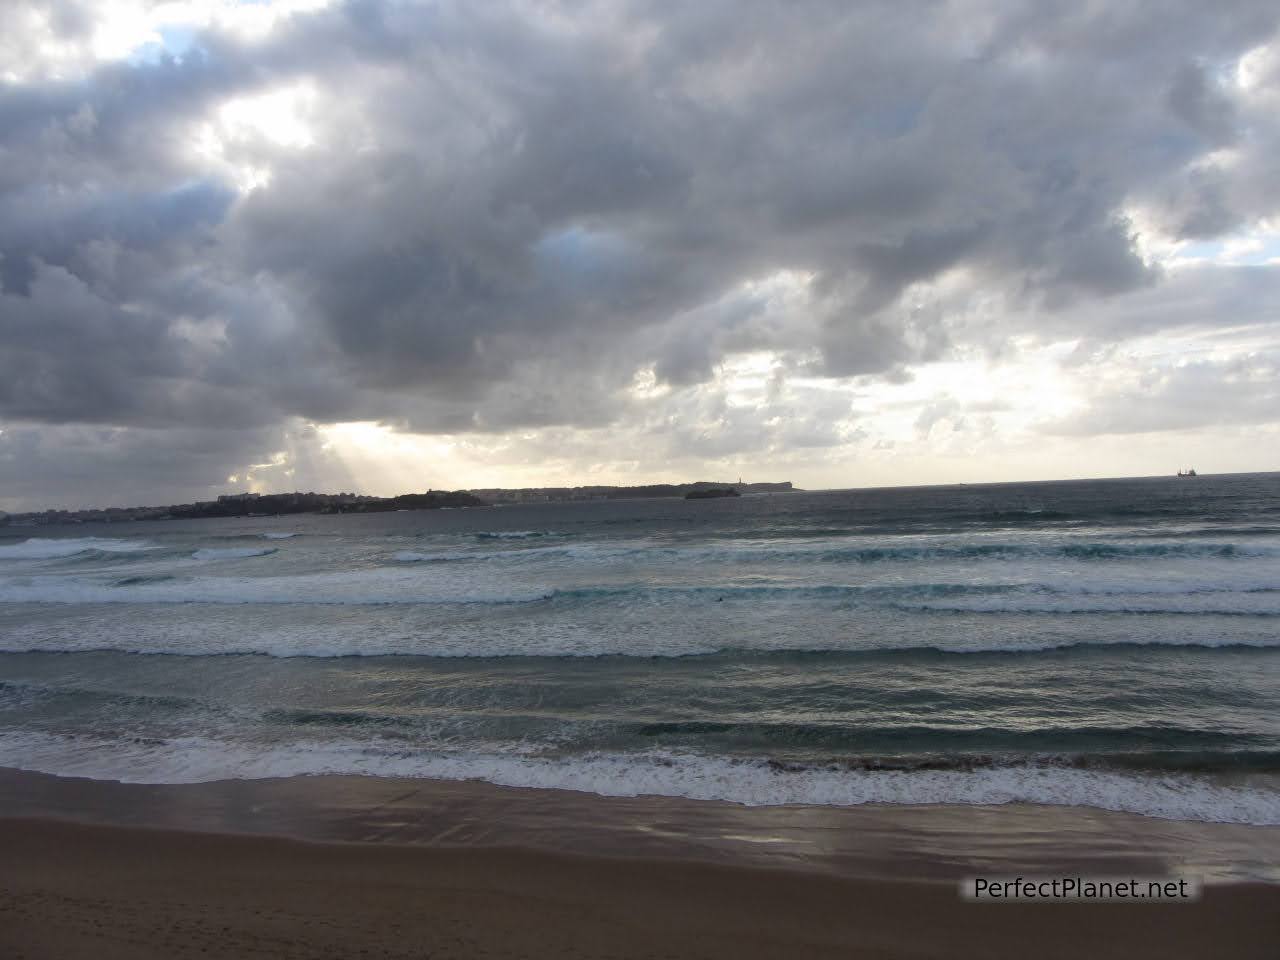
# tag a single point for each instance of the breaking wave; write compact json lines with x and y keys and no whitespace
{"x":754,"y":782}
{"x":41,"y":548}
{"x":231,"y":553}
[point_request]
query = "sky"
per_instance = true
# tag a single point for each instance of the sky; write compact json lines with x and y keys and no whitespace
{"x":389,"y":246}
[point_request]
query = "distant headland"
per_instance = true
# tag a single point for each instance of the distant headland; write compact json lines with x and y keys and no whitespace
{"x":277,"y":504}
{"x":653,"y":490}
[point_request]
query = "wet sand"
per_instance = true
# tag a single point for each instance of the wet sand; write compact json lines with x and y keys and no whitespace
{"x":923,"y":842}
{"x":361,"y":867}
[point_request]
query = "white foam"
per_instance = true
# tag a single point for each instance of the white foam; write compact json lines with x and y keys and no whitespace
{"x":205,"y":636}
{"x":415,"y":557}
{"x":1043,"y":564}
{"x":752,"y":783}
{"x":312,"y":632}
{"x":40,"y":548}
{"x":592,"y":552}
{"x":372,"y":587}
{"x":231,"y":553}
{"x":1221,"y":603}
{"x":278,"y":535}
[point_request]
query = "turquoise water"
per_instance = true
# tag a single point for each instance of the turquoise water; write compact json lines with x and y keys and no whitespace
{"x":1103,"y":643}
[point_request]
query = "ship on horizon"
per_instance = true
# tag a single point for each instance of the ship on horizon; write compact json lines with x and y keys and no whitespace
{"x":1189,"y":472}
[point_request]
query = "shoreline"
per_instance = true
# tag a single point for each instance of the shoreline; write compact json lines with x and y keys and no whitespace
{"x":871,"y":842}
{"x":355,"y":867}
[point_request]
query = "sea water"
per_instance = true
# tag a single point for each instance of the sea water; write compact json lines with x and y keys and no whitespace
{"x":1113,"y":644}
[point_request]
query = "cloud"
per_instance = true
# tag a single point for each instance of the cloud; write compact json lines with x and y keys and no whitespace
{"x":467,"y":219}
{"x":1201,"y":393}
{"x":74,"y":466}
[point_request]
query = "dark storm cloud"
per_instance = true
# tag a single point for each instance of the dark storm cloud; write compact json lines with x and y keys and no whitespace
{"x":1196,"y":99}
{"x":74,"y":466}
{"x":507,"y":210}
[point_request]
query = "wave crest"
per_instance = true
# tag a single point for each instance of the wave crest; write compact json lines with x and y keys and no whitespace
{"x":754,"y":782}
{"x":43,"y":548}
{"x":231,"y":553}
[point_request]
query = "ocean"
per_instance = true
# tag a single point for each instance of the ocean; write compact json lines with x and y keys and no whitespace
{"x":1110,"y":644}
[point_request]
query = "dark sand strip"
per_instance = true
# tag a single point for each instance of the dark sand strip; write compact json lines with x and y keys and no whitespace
{"x":71,"y":891}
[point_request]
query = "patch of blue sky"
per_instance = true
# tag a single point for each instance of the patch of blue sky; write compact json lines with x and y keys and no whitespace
{"x":146,"y":218}
{"x":1234,"y":250}
{"x":578,"y":253}
{"x":1267,"y":252}
{"x":1202,"y":250}
{"x":174,"y":41}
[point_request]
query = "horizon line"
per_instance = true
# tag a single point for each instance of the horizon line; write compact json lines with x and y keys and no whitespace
{"x":6,"y":515}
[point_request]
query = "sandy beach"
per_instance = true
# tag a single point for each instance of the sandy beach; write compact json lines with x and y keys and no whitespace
{"x":362,"y":867}
{"x":72,"y":891}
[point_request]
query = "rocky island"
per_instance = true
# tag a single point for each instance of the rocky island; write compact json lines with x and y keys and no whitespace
{"x":714,"y":493}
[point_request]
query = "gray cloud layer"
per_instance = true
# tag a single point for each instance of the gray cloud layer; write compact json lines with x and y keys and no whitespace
{"x":509,"y":210}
